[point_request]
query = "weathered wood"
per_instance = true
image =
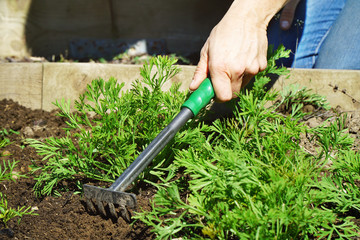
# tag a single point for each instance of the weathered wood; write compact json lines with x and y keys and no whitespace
{"x":22,"y":82}
{"x":37,"y":85}
{"x":13,"y":16}
{"x":340,"y":87}
{"x":68,"y":80}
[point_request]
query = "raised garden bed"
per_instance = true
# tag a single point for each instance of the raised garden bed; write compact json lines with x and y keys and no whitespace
{"x":65,"y":216}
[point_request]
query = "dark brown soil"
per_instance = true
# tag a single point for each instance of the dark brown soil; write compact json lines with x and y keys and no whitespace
{"x":66,"y":217}
{"x":62,"y":217}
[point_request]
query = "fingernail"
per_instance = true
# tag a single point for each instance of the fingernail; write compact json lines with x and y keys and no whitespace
{"x":285,"y":24}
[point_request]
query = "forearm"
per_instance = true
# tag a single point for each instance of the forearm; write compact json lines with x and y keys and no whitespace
{"x":259,"y":12}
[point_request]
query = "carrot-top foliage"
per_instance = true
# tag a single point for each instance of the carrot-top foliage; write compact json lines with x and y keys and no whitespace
{"x":109,"y":127}
{"x":244,"y":177}
{"x":252,"y":179}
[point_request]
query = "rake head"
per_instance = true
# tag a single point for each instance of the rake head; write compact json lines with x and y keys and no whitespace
{"x":106,"y":201}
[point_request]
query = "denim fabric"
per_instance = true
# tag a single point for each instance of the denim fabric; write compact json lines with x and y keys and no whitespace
{"x":341,"y":48}
{"x":290,"y":39}
{"x":320,"y":16}
{"x":324,"y":34}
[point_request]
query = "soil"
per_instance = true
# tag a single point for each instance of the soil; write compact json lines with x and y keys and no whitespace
{"x":66,"y":217}
{"x":62,"y":217}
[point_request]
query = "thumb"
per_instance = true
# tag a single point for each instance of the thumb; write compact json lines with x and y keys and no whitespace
{"x":287,"y":14}
{"x":200,"y":74}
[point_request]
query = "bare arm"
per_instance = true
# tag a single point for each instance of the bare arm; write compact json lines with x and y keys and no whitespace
{"x":237,"y":46}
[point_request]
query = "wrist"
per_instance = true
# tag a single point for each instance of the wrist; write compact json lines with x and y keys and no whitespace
{"x":258,"y":12}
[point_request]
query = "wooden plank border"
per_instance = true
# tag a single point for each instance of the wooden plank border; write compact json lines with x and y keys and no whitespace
{"x":340,"y":87}
{"x":22,"y":82}
{"x":37,"y":85}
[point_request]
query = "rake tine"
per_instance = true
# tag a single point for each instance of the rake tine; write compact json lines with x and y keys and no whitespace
{"x":112,"y":210}
{"x":105,"y":196}
{"x":124,"y":213}
{"x":90,"y":206}
{"x":100,"y":207}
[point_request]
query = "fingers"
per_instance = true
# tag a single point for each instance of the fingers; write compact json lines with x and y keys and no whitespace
{"x":287,"y":14}
{"x":223,"y":86}
{"x":232,"y":56}
{"x":227,"y":79}
{"x":259,"y":66}
{"x":221,"y":81}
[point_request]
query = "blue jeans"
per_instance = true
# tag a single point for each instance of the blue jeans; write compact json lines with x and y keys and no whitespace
{"x":341,"y":48}
{"x":290,"y":39}
{"x":330,"y":37}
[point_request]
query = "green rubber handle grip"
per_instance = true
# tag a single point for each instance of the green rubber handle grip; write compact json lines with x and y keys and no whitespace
{"x":200,"y":97}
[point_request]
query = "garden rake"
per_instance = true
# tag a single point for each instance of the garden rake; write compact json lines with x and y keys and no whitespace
{"x":98,"y":198}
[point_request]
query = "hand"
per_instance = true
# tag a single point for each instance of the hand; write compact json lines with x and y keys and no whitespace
{"x":232,"y":55}
{"x":287,"y":14}
{"x":236,"y":48}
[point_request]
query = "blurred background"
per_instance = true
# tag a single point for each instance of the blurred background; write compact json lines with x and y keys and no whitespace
{"x":83,"y":30}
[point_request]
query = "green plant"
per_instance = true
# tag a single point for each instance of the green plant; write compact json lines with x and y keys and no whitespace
{"x":4,"y":141}
{"x":122,"y":124}
{"x":252,"y":179}
{"x":145,"y":58}
{"x":7,"y":213}
{"x":7,"y":171}
{"x":294,"y":98}
{"x":7,"y":167}
{"x":246,"y":177}
{"x":294,"y":94}
{"x":181,"y":58}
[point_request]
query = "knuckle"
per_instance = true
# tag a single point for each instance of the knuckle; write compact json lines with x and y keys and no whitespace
{"x":238,"y":71}
{"x":253,"y":70}
{"x":263,"y":64}
{"x":224,"y":97}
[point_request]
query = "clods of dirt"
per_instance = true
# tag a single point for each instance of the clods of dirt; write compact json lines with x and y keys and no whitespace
{"x":62,"y":217}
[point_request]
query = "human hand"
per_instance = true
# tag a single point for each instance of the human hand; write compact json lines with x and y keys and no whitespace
{"x":287,"y":14}
{"x":232,"y":55}
{"x":236,"y":49}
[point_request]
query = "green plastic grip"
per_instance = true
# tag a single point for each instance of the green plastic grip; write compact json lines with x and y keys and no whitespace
{"x":200,"y":97}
